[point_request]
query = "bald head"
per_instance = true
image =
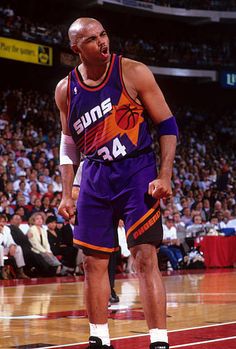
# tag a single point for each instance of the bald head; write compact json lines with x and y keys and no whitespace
{"x":78,"y":27}
{"x":90,"y":41}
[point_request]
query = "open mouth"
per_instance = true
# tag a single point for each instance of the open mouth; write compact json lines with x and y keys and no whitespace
{"x":104,"y":51}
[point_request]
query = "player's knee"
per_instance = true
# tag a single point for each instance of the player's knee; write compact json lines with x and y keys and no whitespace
{"x":144,"y":261}
{"x":95,"y":264}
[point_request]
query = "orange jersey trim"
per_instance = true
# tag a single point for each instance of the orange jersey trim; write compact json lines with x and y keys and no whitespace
{"x":124,"y":87}
{"x":94,"y":247}
{"x":94,"y":88}
{"x":68,"y":97}
{"x":142,"y":219}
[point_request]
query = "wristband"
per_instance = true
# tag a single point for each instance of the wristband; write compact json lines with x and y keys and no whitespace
{"x":167,"y":127}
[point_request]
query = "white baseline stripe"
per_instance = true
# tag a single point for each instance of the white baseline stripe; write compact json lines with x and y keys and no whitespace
{"x":127,"y":294}
{"x":143,"y":335}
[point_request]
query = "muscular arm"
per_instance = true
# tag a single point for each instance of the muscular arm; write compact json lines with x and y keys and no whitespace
{"x":141,"y":84}
{"x":66,"y":207}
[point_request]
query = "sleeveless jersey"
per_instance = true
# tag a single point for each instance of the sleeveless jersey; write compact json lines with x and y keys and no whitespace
{"x":105,"y":122}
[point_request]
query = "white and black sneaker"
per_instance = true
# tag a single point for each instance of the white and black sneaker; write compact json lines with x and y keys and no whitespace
{"x":96,"y":343}
{"x":159,"y":345}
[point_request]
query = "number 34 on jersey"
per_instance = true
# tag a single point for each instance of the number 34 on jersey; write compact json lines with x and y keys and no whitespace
{"x":111,"y":154}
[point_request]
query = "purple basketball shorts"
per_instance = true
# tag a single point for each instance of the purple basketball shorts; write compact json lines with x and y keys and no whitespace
{"x":113,"y":191}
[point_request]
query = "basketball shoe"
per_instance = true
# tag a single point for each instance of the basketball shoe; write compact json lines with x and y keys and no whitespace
{"x":96,"y":343}
{"x":159,"y":345}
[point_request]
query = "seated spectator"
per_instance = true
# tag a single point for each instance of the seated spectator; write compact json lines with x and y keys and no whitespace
{"x":9,"y":247}
{"x":212,"y":226}
{"x":46,"y":207}
{"x":57,"y":184}
{"x":37,"y":204}
{"x":21,"y":177}
{"x":42,"y":184}
{"x":181,"y":232}
{"x":197,"y":227}
{"x":23,"y":156}
{"x":5,"y":207}
{"x":61,"y":242}
{"x":12,"y":175}
{"x":34,"y":191}
{"x":34,"y":261}
{"x":22,"y":207}
{"x":186,"y":218}
{"x":170,"y":244}
{"x":38,"y":238}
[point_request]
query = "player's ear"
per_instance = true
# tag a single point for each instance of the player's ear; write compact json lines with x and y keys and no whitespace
{"x":75,"y":48}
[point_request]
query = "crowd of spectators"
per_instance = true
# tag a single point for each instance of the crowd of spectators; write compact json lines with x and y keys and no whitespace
{"x":177,"y":53}
{"x":14,"y":25}
{"x":204,"y":176}
{"x":190,"y":52}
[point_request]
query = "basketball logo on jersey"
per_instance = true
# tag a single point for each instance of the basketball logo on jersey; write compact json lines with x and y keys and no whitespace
{"x":127,"y":116}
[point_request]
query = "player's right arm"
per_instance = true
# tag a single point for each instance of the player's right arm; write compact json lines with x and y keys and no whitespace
{"x":69,"y":154}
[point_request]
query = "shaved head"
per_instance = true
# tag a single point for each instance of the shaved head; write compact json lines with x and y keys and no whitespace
{"x":78,"y":26}
{"x":89,"y":40}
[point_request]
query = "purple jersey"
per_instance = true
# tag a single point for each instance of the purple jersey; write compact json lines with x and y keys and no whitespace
{"x":104,"y":121}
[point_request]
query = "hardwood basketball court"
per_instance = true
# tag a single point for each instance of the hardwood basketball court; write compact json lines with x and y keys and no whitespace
{"x":49,"y":313}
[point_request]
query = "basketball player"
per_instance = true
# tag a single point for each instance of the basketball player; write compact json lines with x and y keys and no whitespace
{"x":104,"y":104}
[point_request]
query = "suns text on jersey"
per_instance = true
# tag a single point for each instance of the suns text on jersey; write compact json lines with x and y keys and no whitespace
{"x":92,"y":116}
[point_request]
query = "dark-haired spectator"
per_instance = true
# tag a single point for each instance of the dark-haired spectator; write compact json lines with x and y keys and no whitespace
{"x":61,"y":242}
{"x":34,"y":191}
{"x":46,"y":206}
{"x":5,"y":207}
{"x":37,"y":204}
{"x":21,"y":204}
{"x":57,"y":184}
{"x":12,"y":175}
{"x":24,"y":190}
{"x":42,"y":184}
{"x":186,"y":218}
{"x":9,"y":191}
{"x":26,"y":161}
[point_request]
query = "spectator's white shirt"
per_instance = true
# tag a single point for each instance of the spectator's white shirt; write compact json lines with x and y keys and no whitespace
{"x":16,"y":185}
{"x":56,"y":186}
{"x":5,"y":237}
{"x":122,"y":242}
{"x":222,"y":225}
{"x":43,"y":187}
{"x":169,"y":234}
{"x":27,"y":162}
{"x":231,"y":223}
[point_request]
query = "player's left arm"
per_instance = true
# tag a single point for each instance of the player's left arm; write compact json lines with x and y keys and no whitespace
{"x":152,"y":98}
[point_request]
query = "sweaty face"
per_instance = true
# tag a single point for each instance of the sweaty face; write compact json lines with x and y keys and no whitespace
{"x":93,"y":43}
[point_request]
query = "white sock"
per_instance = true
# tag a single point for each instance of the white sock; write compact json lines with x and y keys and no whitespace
{"x":101,"y":331}
{"x":157,"y":335}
